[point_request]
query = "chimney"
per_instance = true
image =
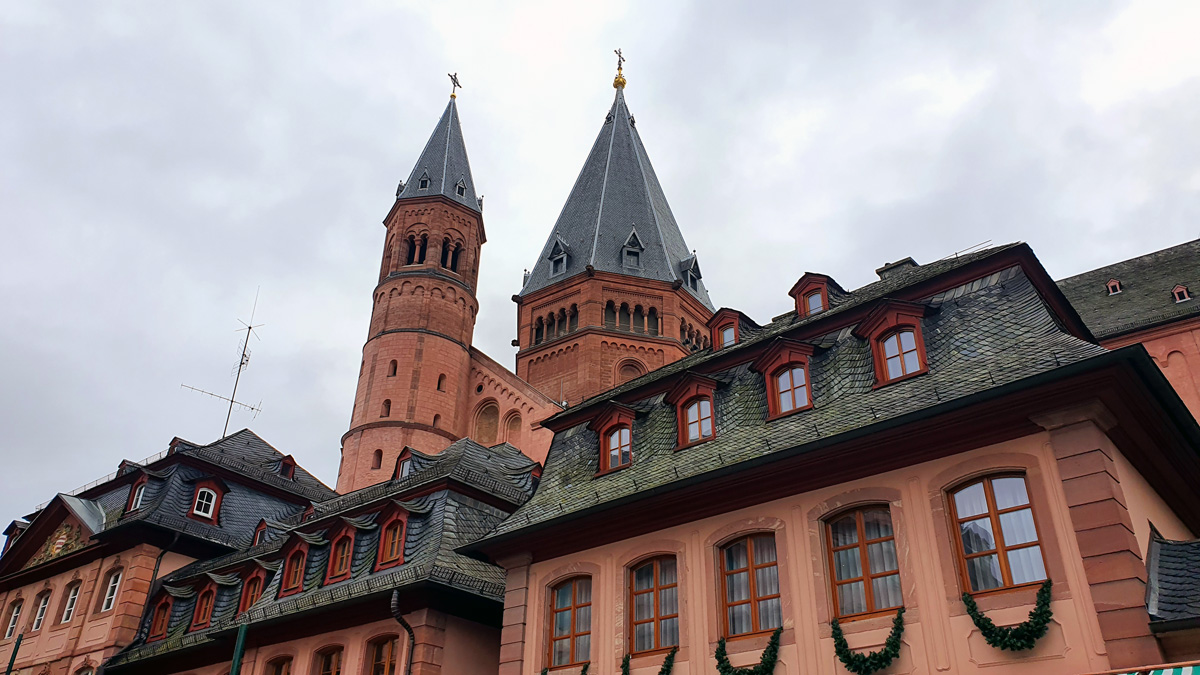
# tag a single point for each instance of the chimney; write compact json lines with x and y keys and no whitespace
{"x":892,"y":269}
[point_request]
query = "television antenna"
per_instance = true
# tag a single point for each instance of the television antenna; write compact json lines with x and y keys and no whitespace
{"x":243,"y":363}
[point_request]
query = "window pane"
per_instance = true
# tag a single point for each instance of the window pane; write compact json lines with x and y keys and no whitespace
{"x":970,"y":501}
{"x":583,"y":591}
{"x":668,"y":601}
{"x":562,"y":652}
{"x":666,"y":572}
{"x":706,"y":427}
{"x":1026,"y":565}
{"x":814,"y":303}
{"x":583,"y":619}
{"x":844,"y":531}
{"x":847,"y":564}
{"x":643,"y":636}
{"x":668,"y":630}
{"x":739,"y":619}
{"x":890,"y":347}
{"x":785,"y":401}
{"x":882,"y":556}
{"x":1009,"y":492}
{"x":984,"y":572}
{"x":894,"y":368}
{"x":693,"y":431}
{"x":562,"y":596}
{"x":735,"y":556}
{"x":643,"y":606}
{"x":583,"y":647}
{"x":766,"y":580}
{"x":625,"y":436}
{"x":737,"y":587}
{"x":798,"y":377}
{"x":764,"y":550}
{"x":877,"y":524}
{"x":1017,"y":527}
{"x":769,"y":615}
{"x":912,"y":363}
{"x":908,"y":341}
{"x":562,"y":623}
{"x":785,"y":380}
{"x":643,"y":577}
{"x":977,"y":536}
{"x":706,"y":408}
{"x":801,"y":396}
{"x":693,"y":411}
{"x":852,"y":598}
{"x":886,"y":591}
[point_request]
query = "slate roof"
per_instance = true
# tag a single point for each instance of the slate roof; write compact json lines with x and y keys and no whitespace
{"x":246,"y":453}
{"x":1145,"y":299}
{"x":444,"y":163}
{"x":438,"y":523}
{"x":617,"y":192}
{"x":1173,"y":580}
{"x":983,"y":334}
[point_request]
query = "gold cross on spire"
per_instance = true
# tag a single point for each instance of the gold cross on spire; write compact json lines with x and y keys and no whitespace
{"x":453,"y":84}
{"x":619,"y":80}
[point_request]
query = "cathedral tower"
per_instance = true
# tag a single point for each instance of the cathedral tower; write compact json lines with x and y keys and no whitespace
{"x":414,"y":381}
{"x":615,"y":292}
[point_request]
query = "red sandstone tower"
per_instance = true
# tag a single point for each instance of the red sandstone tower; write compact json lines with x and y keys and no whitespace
{"x":615,"y":292}
{"x":414,"y":382}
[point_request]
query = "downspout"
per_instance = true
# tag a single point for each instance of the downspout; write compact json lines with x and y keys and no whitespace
{"x":412,"y":637}
{"x":153,"y":578}
{"x":17,"y":645}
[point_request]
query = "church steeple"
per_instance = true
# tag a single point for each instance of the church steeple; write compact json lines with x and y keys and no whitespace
{"x":443,"y":168}
{"x":616,"y":194}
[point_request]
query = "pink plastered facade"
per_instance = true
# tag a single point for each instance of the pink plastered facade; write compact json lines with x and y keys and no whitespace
{"x":1096,"y":592}
{"x":1176,"y":349}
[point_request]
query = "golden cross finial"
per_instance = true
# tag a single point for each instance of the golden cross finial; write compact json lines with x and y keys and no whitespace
{"x":619,"y":80}
{"x":453,"y":84}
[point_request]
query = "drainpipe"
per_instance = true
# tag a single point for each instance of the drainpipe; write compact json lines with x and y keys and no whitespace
{"x":412,"y":638}
{"x":17,"y":645}
{"x":239,"y":648}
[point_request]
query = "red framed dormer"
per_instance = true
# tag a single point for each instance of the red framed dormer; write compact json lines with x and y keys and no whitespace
{"x":614,"y":424}
{"x":341,"y":554}
{"x":287,"y":467}
{"x":811,"y":294}
{"x":137,"y":493}
{"x":206,"y":600}
{"x":695,"y":409}
{"x":725,"y":328}
{"x":893,"y":329}
{"x":160,"y":619}
{"x":206,"y":500}
{"x":785,"y":368}
{"x":254,"y":580}
{"x":393,"y":529}
{"x":404,"y":464}
{"x":292,"y":567}
{"x":260,"y":533}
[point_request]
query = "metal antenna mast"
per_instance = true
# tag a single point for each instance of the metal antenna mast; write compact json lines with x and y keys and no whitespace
{"x":242,"y":363}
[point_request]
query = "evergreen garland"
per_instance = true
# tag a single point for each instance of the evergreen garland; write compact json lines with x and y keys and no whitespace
{"x":766,"y":664}
{"x":1021,"y":636}
{"x":865,"y":664}
{"x":667,"y":666}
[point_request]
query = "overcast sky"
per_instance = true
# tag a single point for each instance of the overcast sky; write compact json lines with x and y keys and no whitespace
{"x":160,"y":161}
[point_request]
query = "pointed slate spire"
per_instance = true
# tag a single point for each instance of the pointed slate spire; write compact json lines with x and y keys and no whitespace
{"x":443,"y":168}
{"x":617,"y":193}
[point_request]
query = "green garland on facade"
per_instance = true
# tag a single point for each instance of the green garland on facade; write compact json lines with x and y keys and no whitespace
{"x":766,"y":664}
{"x":667,"y":666}
{"x":1021,"y":636}
{"x":865,"y":664}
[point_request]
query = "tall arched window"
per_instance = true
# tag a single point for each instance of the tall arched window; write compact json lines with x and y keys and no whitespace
{"x":624,"y":318}
{"x":446,"y":253}
{"x":699,"y":418}
{"x":251,"y":592}
{"x":280,"y":666}
{"x":610,"y":315}
{"x":654,"y":597}
{"x":392,"y":368}
{"x":639,"y":320}
{"x":512,"y":429}
{"x":340,"y":556}
{"x":386,"y":410}
{"x":383,"y":653}
{"x":441,"y":382}
{"x":293,"y":571}
{"x":487,"y":423}
{"x":862,"y":558}
{"x":571,"y":622}
{"x":111,"y":587}
{"x":72,"y":599}
{"x":377,"y":459}
{"x":161,"y":618}
{"x":411,"y":256}
{"x":41,"y":604}
{"x":14,"y":618}
{"x":391,"y":542}
{"x":203,"y":612}
{"x":750,"y":585}
{"x":573,"y":319}
{"x":329,"y":661}
{"x":454,"y":257}
{"x":987,"y":508}
{"x":139,"y":493}
{"x":652,"y":321}
{"x":791,"y":387}
{"x":424,"y":243}
{"x":539,"y":331}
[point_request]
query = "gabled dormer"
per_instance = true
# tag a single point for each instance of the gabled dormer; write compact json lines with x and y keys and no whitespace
{"x":559,"y":253}
{"x":631,"y":251}
{"x":813,"y":293}
{"x":695,"y":409}
{"x":689,"y":271}
{"x":424,"y":181}
{"x":725,"y":328}
{"x":893,"y":329}
{"x":614,"y":425}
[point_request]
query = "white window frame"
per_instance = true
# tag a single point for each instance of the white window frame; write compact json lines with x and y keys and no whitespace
{"x":40,"y":617}
{"x":110,"y":592}
{"x":212,"y":503}
{"x":14,"y":617}
{"x":139,"y":492}
{"x":69,"y":609}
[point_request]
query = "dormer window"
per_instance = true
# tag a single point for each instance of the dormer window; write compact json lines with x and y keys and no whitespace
{"x":558,"y":256}
{"x":633,"y":258}
{"x":138,"y":494}
{"x":161,"y":619}
{"x":693,"y":281}
{"x":725,"y":327}
{"x":341,"y":554}
{"x":811,"y":293}
{"x":558,"y":265}
{"x":1113,"y":286}
{"x":405,"y":469}
{"x":460,"y":189}
{"x":691,"y":272}
{"x":894,"y":331}
{"x":615,"y":427}
{"x":293,"y":568}
{"x":404,"y":465}
{"x":202,"y":615}
{"x":206,"y":501}
{"x":1181,"y":294}
{"x":260,"y":533}
{"x":631,"y":251}
{"x":391,"y":538}
{"x":423,"y":182}
{"x":785,"y":367}
{"x":287,"y":468}
{"x":692,"y":397}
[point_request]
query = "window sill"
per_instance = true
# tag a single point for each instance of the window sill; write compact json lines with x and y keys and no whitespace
{"x":634,"y":656}
{"x":775,"y":416}
{"x":902,"y":378}
{"x":745,"y":638}
{"x":1009,"y":596}
{"x":693,"y":444}
{"x":866,"y":618}
{"x":605,"y":472}
{"x":388,"y":564}
{"x":285,"y":592}
{"x":333,"y":580}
